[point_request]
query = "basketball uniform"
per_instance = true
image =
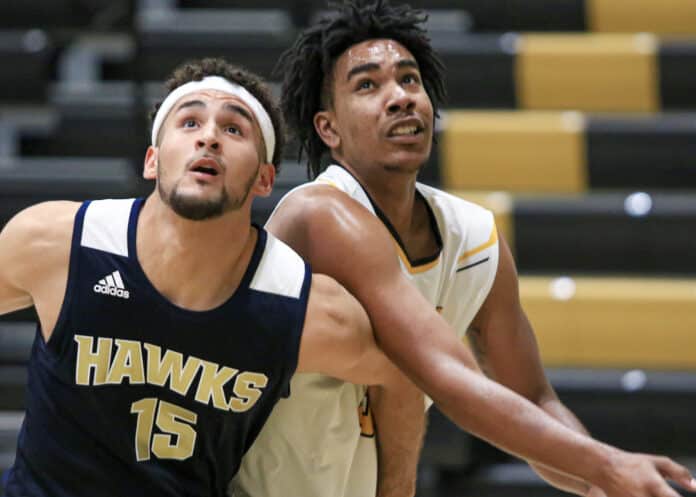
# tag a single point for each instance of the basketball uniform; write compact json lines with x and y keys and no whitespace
{"x":320,"y":442}
{"x":134,"y":396}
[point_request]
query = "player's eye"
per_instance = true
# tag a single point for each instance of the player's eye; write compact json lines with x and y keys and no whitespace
{"x":365,"y":84}
{"x":411,"y":79}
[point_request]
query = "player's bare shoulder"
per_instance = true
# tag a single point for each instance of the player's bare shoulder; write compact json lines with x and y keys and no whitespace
{"x":41,"y":231}
{"x":34,"y":253}
{"x":320,"y":212}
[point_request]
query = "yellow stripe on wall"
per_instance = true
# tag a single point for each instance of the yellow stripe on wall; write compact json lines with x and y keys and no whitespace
{"x":663,"y":16}
{"x":589,"y":72}
{"x":613,"y":322}
{"x":517,"y":151}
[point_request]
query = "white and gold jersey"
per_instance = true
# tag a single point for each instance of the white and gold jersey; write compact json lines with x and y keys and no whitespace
{"x":320,"y":441}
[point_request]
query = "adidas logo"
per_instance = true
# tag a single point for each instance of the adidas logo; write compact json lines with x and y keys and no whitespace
{"x":112,"y":285}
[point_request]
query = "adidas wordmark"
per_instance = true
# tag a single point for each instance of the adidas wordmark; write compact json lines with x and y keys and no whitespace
{"x":112,"y":285}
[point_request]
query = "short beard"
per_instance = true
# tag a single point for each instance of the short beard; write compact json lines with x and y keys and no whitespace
{"x":195,"y":209}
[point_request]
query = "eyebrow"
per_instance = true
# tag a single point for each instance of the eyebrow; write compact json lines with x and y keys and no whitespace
{"x":372,"y":66}
{"x":237,"y":109}
{"x":369,"y":66}
{"x":407,"y":63}
{"x":190,"y":103}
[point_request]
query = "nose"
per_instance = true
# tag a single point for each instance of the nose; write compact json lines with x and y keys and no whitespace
{"x":400,"y":100}
{"x":208,"y":138}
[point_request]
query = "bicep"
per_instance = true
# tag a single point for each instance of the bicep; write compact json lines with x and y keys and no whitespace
{"x":337,"y":339}
{"x":502,"y":337}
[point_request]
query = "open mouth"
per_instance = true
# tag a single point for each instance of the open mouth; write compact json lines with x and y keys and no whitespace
{"x":205,"y":170}
{"x":406,"y":130}
{"x":207,"y":166}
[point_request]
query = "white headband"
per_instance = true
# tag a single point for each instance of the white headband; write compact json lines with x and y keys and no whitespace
{"x":220,"y":84}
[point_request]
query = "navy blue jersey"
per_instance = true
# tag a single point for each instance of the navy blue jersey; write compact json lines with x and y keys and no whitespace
{"x":133,"y":395}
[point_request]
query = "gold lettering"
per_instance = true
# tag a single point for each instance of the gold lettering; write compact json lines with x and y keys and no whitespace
{"x":128,"y":362}
{"x":86,"y":360}
{"x":170,"y":366}
{"x":244,"y":388}
{"x":212,"y":383}
{"x":179,"y":439}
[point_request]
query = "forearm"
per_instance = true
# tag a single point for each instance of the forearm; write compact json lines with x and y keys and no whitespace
{"x":555,"y":408}
{"x":507,"y":420}
{"x":399,"y":417}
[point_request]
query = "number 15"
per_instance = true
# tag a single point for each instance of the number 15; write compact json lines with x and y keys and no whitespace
{"x":177,"y":439}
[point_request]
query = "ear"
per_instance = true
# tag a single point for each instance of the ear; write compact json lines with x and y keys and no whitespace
{"x":151,"y":163}
{"x":323,"y":124}
{"x":265,"y":180}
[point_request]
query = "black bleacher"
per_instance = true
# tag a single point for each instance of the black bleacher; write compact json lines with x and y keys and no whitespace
{"x":651,"y":152}
{"x":598,"y":234}
{"x":24,"y":56}
{"x":677,"y":76}
{"x":517,"y":15}
{"x":480,"y":69}
{"x":253,"y":39}
{"x":103,"y":120}
{"x":62,"y":14}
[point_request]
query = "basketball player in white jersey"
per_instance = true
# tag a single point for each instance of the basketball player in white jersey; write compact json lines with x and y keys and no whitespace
{"x":358,"y":91}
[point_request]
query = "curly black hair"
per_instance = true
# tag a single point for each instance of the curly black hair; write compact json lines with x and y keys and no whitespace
{"x":196,"y":70}
{"x":307,"y":66}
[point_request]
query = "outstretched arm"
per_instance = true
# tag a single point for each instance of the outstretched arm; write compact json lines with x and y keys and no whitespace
{"x":341,"y":238}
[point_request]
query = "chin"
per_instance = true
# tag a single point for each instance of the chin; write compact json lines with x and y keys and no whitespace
{"x":407,"y":162}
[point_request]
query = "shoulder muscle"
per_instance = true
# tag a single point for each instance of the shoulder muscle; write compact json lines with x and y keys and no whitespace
{"x":34,"y":242}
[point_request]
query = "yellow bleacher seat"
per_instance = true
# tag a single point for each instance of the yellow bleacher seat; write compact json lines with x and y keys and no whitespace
{"x":588,"y":72}
{"x":517,"y":151}
{"x":664,"y":16}
{"x":613,"y":322}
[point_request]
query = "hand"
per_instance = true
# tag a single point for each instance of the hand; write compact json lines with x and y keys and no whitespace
{"x":642,"y":475}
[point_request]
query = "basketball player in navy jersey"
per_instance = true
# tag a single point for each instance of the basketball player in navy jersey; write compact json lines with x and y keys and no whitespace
{"x":169,"y":326}
{"x":359,"y":86}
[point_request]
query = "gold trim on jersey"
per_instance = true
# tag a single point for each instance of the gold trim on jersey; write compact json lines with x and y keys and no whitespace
{"x":414,"y":269}
{"x":491,"y":241}
{"x":328,"y":182}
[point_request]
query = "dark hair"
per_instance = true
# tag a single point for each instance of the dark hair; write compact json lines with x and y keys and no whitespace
{"x":198,"y":69}
{"x":307,"y":66}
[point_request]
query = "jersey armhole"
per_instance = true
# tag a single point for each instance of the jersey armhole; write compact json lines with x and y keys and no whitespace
{"x":73,"y":272}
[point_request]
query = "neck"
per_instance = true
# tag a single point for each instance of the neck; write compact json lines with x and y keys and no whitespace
{"x":197,"y":265}
{"x":393,"y":189}
{"x":394,"y":192}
